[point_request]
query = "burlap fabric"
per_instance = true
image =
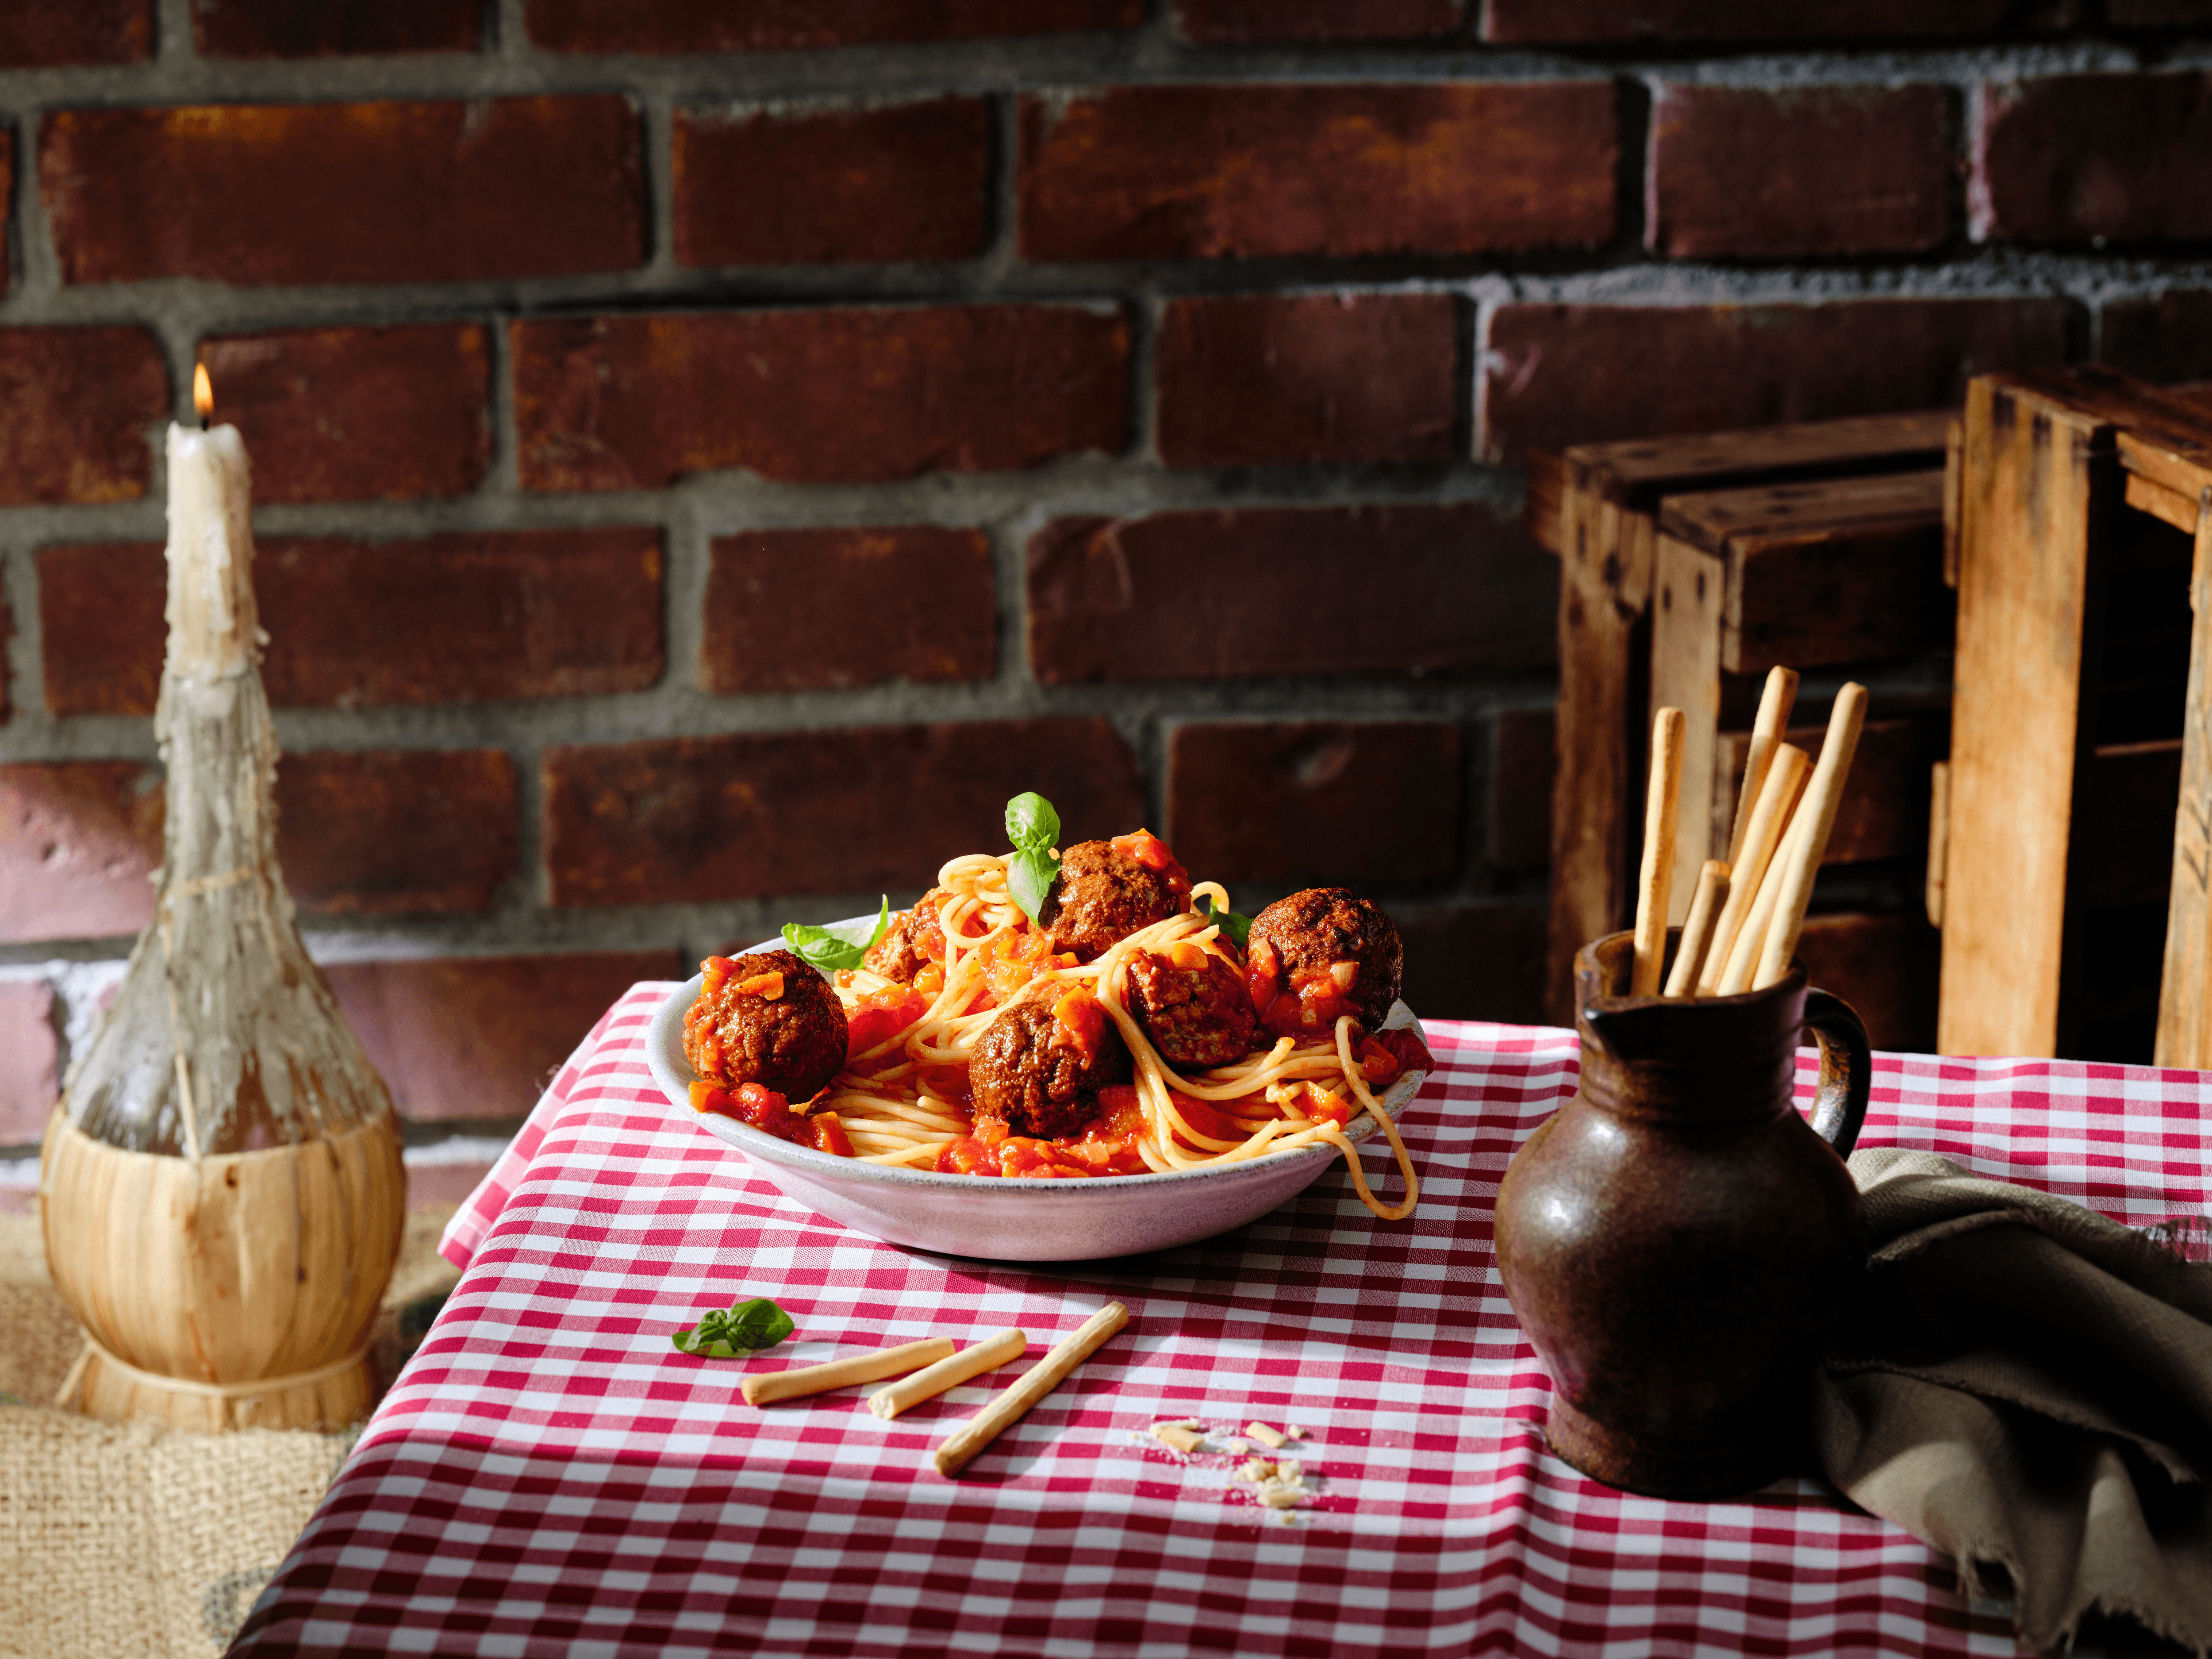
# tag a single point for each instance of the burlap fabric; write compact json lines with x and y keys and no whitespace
{"x":2027,"y":1387}
{"x":136,"y":1540}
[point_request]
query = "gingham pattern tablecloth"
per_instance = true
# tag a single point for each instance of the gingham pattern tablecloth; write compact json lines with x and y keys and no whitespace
{"x":550,"y":1476}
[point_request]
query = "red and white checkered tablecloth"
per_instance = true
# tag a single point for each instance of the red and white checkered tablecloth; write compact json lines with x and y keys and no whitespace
{"x":550,"y":1476}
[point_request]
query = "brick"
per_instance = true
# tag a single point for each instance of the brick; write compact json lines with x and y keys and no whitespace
{"x":1523,"y":759}
{"x":850,"y":810}
{"x":78,"y":840}
{"x":1289,"y":592}
{"x":384,"y":192}
{"x":1798,"y":172}
{"x":1247,"y":380}
{"x":2076,"y":158}
{"x":467,"y":616}
{"x":372,"y":832}
{"x":1343,"y":171}
{"x":1211,"y":23}
{"x":2168,"y":337}
{"x":1473,"y":961}
{"x":387,"y":832}
{"x":1560,"y":375}
{"x":1600,"y":21}
{"x":55,"y":33}
{"x":330,"y":28}
{"x":479,"y":1038}
{"x":816,"y":396}
{"x":358,"y":413}
{"x":824,"y":610}
{"x":687,"y":26}
{"x":1333,"y":802}
{"x":838,"y":186}
{"x":75,"y":409}
{"x":30,"y":1060}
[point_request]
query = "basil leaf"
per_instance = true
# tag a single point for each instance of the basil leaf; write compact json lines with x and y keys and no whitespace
{"x":1031,"y":873}
{"x":838,"y":946}
{"x":1031,"y":824}
{"x":736,"y":1333}
{"x":1237,"y":928}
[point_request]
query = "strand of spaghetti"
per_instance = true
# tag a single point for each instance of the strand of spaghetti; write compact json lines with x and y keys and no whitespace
{"x":1358,"y":1079}
{"x":926,"y":1153}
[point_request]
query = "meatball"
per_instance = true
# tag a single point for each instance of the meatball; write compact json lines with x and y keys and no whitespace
{"x":1318,"y":955}
{"x":1105,"y":892}
{"x":1039,"y":1066}
{"x":1197,"y":1014}
{"x":914,"y":940}
{"x":747,"y":1028}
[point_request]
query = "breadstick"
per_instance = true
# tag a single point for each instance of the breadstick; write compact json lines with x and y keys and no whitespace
{"x":1653,"y":888}
{"x":1743,"y":957}
{"x":971,"y":1361}
{"x":770,"y":1386}
{"x":1822,"y":796}
{"x":1769,"y":819}
{"x":1774,"y":706}
{"x":1697,"y":927}
{"x":1040,"y":1380}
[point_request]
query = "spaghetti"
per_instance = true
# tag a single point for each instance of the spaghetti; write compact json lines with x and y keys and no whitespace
{"x":902,"y":1098}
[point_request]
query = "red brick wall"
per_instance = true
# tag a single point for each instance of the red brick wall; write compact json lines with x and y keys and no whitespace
{"x":709,"y":454}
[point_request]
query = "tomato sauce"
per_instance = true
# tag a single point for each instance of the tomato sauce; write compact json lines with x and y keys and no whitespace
{"x":1013,"y":959}
{"x":881,"y":1015}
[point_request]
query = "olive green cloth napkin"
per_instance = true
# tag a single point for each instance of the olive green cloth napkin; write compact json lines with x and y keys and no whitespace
{"x":2027,"y":1386}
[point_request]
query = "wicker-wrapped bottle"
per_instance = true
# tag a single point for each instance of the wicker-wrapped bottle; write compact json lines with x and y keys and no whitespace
{"x":221,"y":1188}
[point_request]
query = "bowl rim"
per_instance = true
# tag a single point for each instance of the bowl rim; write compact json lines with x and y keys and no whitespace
{"x":675,"y":1086}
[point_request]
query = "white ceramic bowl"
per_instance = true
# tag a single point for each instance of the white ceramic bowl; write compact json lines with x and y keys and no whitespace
{"x":1011,"y":1220}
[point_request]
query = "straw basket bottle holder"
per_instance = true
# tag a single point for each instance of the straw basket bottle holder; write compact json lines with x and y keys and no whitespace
{"x":1677,"y":1240}
{"x":221,"y":1188}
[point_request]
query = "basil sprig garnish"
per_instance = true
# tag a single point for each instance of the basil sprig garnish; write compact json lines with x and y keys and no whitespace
{"x":838,"y":945}
{"x":1237,"y":928}
{"x":1034,"y":829}
{"x":737,"y":1331}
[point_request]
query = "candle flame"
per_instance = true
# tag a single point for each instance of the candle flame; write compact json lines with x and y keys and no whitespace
{"x":203,"y":391}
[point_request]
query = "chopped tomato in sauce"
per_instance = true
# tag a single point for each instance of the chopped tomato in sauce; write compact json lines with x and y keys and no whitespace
{"x":968,"y":1156}
{"x":1311,"y":1004}
{"x":1377,"y":1063}
{"x":1013,"y":959}
{"x":1405,"y":1045}
{"x":1205,"y":1120}
{"x":748,"y":1103}
{"x":830,"y":1134}
{"x":882,"y":1014}
{"x":769,"y":987}
{"x":1079,"y":1023}
{"x":1324,"y":1106}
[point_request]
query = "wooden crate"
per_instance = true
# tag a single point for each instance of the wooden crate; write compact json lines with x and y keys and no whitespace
{"x":2075,"y":911}
{"x":1689,"y":566}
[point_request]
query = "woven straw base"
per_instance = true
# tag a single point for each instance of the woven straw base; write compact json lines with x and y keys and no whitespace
{"x":117,"y":1394}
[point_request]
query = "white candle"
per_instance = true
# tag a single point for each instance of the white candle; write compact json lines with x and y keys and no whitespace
{"x":215,"y":631}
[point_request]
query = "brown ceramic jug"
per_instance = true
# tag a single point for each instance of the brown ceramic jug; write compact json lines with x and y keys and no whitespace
{"x":1677,"y":1240}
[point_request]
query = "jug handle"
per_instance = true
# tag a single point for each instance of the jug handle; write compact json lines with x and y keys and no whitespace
{"x":1839,"y":1100}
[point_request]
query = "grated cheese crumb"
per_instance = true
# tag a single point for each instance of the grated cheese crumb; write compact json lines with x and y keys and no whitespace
{"x":1265,"y":1436}
{"x":1294,"y":1431}
{"x":1279,"y":1497}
